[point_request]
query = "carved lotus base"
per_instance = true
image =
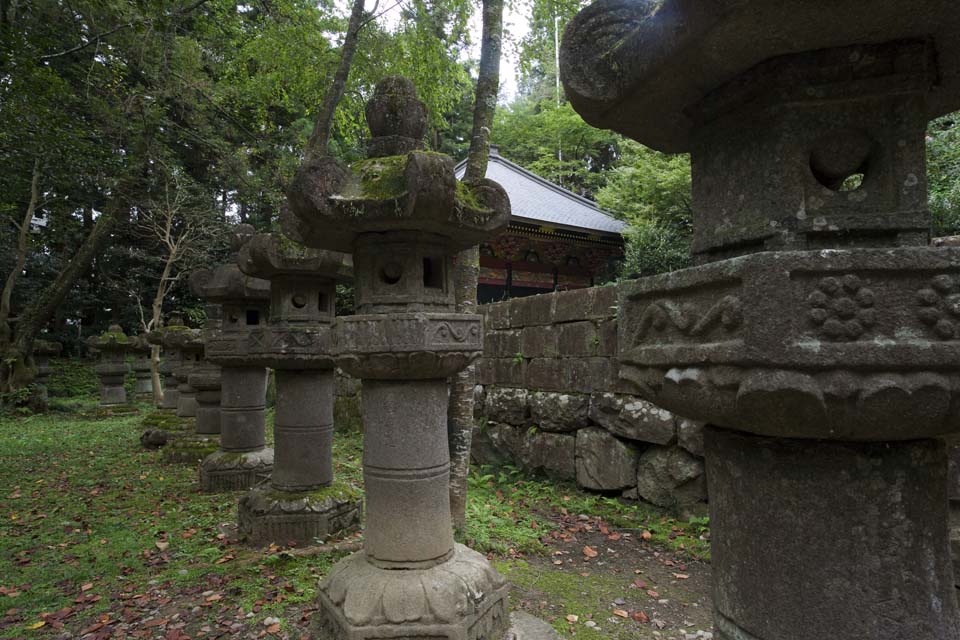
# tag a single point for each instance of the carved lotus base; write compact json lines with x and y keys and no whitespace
{"x":461,"y":599}
{"x":266,"y":515}
{"x":859,"y":344}
{"x":189,"y":449}
{"x":409,"y":346}
{"x":234,"y":471}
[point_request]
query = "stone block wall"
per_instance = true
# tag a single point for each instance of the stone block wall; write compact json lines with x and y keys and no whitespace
{"x":549,"y":399}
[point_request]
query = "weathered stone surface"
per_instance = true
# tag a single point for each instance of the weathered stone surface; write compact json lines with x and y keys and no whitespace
{"x":482,"y":448}
{"x":537,"y":451}
{"x":153,"y":438}
{"x":670,"y":477}
{"x":524,"y":626}
{"x":633,"y":418}
{"x":603,"y":462}
{"x":507,"y":404}
{"x":834,"y":344}
{"x":560,"y":412}
{"x":690,"y":435}
{"x":636,"y":66}
{"x":802,"y":495}
{"x":267,"y":516}
{"x":234,"y":471}
{"x":539,"y":342}
{"x":578,"y":339}
{"x":502,"y":344}
{"x":360,"y":600}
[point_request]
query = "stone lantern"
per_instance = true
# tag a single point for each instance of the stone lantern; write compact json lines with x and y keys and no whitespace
{"x":301,"y":502}
{"x":112,"y":347}
{"x":403,"y":216}
{"x":205,"y":377}
{"x":243,"y":459}
{"x":170,"y":360}
{"x":143,"y":385}
{"x":820,"y":335}
{"x":42,"y":352}
{"x":188,"y":444}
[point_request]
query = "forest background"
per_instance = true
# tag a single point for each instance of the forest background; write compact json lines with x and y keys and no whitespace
{"x":139,"y":130}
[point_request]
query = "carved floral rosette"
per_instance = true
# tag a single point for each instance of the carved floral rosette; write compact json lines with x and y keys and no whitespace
{"x":279,"y":347}
{"x":859,"y":344}
{"x":407,"y":346}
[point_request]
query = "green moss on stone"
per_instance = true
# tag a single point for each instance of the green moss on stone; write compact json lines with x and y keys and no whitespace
{"x":467,"y":197}
{"x":381,"y":178}
{"x":341,"y":491}
{"x":290,"y":249}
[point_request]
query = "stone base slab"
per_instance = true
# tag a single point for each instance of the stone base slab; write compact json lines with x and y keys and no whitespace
{"x":267,"y":515}
{"x":461,"y":599}
{"x":235,"y":471}
{"x":165,"y":420}
{"x":524,"y":626}
{"x":189,"y":449}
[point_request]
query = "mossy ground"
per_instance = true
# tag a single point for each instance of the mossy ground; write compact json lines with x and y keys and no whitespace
{"x":97,"y":533}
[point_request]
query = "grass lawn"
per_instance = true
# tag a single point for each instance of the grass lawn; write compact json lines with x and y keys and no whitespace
{"x":99,"y":539}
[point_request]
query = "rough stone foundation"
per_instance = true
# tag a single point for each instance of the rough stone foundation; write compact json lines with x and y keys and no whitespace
{"x":267,"y":515}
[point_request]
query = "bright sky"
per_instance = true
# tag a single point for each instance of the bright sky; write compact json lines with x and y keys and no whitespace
{"x":515,"y":24}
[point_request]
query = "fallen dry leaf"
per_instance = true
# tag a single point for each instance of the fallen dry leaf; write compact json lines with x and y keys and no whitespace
{"x":621,"y":613}
{"x":572,"y":618}
{"x":590,"y":552}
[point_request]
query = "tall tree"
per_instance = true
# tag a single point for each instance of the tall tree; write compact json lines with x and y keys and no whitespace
{"x":179,"y":226}
{"x":319,"y":139}
{"x":460,"y":420}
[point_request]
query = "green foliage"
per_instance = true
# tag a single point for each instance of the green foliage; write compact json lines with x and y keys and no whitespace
{"x":508,"y":509}
{"x":651,"y":191}
{"x":71,"y":378}
{"x":943,"y":174}
{"x":534,"y":134}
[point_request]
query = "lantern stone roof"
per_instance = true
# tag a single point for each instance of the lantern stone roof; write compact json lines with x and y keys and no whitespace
{"x":640,"y":67}
{"x":539,"y":201}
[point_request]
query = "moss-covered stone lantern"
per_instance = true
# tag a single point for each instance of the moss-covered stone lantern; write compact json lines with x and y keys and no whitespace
{"x":404,"y":216}
{"x":112,"y":347}
{"x":302,"y":501}
{"x":243,"y":459}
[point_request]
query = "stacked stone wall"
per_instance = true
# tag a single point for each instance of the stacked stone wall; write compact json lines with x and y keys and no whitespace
{"x":549,"y":400}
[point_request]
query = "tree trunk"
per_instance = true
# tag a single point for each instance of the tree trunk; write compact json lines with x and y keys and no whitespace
{"x":488,"y":88}
{"x":156,"y":320}
{"x":19,"y":369}
{"x":6,"y":332}
{"x":460,"y":420}
{"x":317,"y":144}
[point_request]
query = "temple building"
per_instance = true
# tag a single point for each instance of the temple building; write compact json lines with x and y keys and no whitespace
{"x":556,"y":240}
